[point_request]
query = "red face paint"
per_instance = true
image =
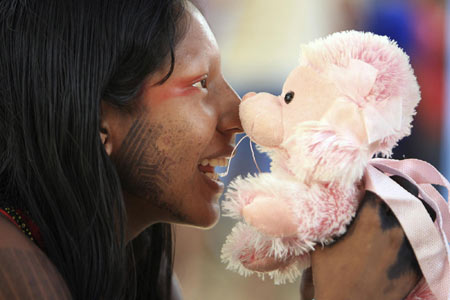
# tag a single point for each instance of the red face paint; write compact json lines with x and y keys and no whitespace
{"x":172,"y":88}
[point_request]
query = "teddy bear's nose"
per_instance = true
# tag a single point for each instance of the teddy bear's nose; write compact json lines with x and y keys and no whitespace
{"x":261,"y":119}
{"x":248,"y":95}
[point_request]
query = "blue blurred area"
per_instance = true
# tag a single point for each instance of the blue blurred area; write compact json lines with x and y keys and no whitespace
{"x":394,"y":19}
{"x":416,"y":26}
{"x":243,"y":163}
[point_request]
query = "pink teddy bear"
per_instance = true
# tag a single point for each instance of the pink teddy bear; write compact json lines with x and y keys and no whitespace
{"x":352,"y":96}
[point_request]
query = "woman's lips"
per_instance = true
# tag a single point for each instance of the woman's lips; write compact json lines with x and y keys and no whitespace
{"x":206,"y":169}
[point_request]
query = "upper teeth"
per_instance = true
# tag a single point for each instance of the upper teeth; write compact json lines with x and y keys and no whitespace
{"x":215,"y":162}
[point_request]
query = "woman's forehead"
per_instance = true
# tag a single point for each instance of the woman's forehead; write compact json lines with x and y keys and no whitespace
{"x":199,"y":39}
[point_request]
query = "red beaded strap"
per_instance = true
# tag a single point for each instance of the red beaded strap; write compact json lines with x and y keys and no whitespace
{"x":22,"y":220}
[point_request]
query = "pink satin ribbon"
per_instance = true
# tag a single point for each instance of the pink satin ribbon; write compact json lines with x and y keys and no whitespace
{"x":429,"y":240}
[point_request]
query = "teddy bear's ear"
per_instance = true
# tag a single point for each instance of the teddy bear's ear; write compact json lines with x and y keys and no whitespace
{"x":320,"y":151}
{"x":382,"y":118}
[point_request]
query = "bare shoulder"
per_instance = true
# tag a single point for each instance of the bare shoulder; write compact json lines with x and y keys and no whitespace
{"x":25,"y":271}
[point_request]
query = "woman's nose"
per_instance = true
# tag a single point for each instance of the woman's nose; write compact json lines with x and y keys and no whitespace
{"x":229,"y":120}
{"x":248,"y":95}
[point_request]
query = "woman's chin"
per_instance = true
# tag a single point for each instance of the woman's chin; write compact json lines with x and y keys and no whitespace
{"x":212,"y":222}
{"x":206,"y":219}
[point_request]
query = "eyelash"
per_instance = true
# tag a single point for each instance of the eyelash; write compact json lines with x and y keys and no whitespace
{"x":203,"y":83}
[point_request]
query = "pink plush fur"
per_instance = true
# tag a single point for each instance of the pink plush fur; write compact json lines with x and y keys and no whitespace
{"x":395,"y":77}
{"x":326,"y":154}
{"x":352,"y":96}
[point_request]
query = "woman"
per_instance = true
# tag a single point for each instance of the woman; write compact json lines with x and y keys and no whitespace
{"x":60,"y":60}
{"x":108,"y":109}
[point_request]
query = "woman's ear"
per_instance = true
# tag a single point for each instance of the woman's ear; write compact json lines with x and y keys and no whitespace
{"x":105,"y":127}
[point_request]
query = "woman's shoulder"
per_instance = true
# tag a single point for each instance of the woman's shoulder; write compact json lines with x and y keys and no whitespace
{"x":25,"y":270}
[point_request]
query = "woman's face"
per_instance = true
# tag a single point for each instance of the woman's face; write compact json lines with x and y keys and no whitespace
{"x":188,"y":121}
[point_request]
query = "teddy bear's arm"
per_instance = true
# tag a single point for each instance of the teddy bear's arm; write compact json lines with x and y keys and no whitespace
{"x":263,"y":201}
{"x":283,"y":208}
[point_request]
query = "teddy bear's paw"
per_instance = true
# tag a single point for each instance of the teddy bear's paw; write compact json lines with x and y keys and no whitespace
{"x":277,"y":254}
{"x":245,"y":246}
{"x":261,"y":263}
{"x":242,"y":241}
{"x":242,"y":192}
{"x":247,"y":251}
{"x":289,"y":272}
{"x":283,"y":271}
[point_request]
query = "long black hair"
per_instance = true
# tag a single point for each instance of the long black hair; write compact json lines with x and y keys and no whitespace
{"x":58,"y":60}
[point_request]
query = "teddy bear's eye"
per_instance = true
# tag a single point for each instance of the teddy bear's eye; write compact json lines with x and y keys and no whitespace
{"x":288,"y":97}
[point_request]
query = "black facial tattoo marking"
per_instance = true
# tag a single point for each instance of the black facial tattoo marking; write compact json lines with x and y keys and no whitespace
{"x":143,"y":167}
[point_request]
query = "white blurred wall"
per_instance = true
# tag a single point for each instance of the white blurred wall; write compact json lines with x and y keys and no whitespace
{"x":260,"y":39}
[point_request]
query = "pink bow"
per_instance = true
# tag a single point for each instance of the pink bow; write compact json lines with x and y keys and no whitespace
{"x":381,"y":118}
{"x":429,"y":240}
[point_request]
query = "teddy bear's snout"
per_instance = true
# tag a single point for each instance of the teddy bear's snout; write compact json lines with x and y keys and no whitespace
{"x":261,"y":118}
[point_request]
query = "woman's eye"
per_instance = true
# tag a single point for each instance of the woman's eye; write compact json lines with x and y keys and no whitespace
{"x":201,"y":84}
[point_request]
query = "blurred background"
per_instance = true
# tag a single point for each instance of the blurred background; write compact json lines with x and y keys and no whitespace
{"x":260,"y":42}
